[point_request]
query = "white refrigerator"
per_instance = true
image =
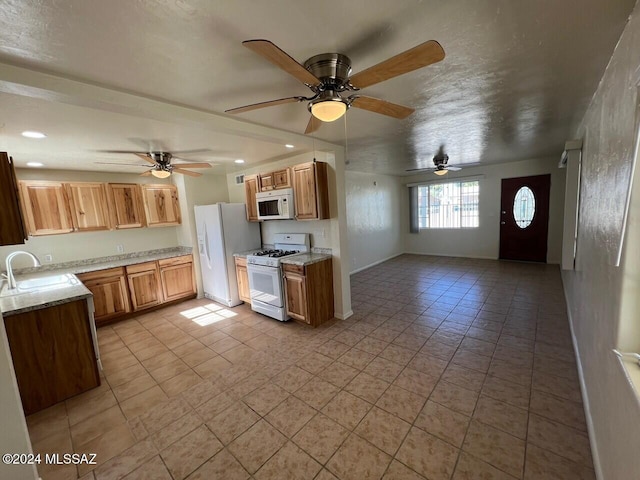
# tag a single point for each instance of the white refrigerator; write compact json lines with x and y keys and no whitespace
{"x":223,"y":230}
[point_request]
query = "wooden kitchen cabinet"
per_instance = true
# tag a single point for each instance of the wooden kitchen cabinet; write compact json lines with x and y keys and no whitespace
{"x":12,"y":225}
{"x":125,"y":205}
{"x":176,"y":278}
{"x":242,"y":275}
{"x":144,"y":285}
{"x":275,"y":180}
{"x":89,"y":207}
{"x":161,"y":205}
{"x":309,"y":292}
{"x":311,"y":192}
{"x":53,"y":354}
{"x":110,"y":293}
{"x":46,"y":207}
{"x":251,"y":187}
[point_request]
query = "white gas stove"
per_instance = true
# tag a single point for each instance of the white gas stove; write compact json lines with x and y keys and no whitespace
{"x":265,"y":274}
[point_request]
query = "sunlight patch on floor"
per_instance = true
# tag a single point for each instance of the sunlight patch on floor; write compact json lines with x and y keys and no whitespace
{"x":208,"y":314}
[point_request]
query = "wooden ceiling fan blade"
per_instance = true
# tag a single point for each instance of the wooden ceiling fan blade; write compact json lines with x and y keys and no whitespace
{"x":424,"y":54}
{"x":186,"y":172}
{"x":382,"y":107}
{"x":281,"y":59}
{"x":191,"y":165}
{"x":271,"y":103}
{"x":121,"y":164}
{"x":419,"y":169}
{"x":313,"y":125}
{"x":454,"y":169}
{"x":146,"y":174}
{"x":145,"y":157}
{"x":188,"y":152}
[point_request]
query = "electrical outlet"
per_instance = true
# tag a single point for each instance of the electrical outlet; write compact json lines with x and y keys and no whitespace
{"x":120,"y":248}
{"x":48,"y":258}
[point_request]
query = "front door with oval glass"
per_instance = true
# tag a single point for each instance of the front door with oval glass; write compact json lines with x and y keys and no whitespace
{"x":524,"y":218}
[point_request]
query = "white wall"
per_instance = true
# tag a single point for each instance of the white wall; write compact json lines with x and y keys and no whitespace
{"x":329,"y":233}
{"x":374,"y":226}
{"x":14,"y":436}
{"x":484,"y":241}
{"x":602,"y":298}
{"x":83,"y":245}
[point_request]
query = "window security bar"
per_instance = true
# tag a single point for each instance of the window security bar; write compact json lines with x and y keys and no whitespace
{"x":635,"y":356}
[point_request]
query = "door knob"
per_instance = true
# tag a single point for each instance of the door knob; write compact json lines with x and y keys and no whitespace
{"x":502,"y":223}
{"x":503,"y":212}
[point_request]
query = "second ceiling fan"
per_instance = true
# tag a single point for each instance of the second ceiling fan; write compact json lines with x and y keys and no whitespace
{"x":328,"y":75}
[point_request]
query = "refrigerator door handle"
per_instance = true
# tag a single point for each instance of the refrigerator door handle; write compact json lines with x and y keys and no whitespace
{"x":206,"y":244}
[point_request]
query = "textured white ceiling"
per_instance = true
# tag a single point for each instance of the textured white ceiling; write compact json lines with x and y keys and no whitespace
{"x":516,"y":79}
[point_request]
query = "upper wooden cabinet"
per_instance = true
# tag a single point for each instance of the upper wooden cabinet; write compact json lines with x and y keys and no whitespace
{"x":275,"y":180}
{"x":125,"y":202}
{"x":251,"y":187}
{"x":161,"y":205}
{"x":310,"y":190}
{"x":46,"y":207}
{"x":12,"y":226}
{"x":89,"y":206}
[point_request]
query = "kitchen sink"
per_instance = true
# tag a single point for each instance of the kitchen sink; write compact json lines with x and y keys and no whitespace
{"x":31,"y":285}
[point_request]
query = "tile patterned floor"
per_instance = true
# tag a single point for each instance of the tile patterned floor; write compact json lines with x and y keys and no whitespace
{"x":449,"y":369}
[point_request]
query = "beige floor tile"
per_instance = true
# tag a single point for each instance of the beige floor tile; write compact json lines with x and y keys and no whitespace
{"x":222,"y":466}
{"x":96,"y":425}
{"x":202,"y":392}
{"x":333,"y":349}
{"x":141,"y":403}
{"x":383,"y":369}
{"x":317,"y":393}
{"x":154,"y":347}
{"x":137,"y":429}
{"x":321,"y":437}
{"x":495,"y":447}
{"x":398,"y":471}
{"x":558,"y":409}
{"x":255,"y":446}
{"x":544,"y":465}
{"x":82,"y":407}
{"x":402,"y":403}
{"x":472,"y":468}
{"x":464,"y":377}
{"x":198,"y":356}
{"x":232,"y":422}
{"x":289,"y":462}
{"x":190,"y":452}
{"x":224,"y":344}
{"x":157,"y":361}
{"x":338,"y":374}
{"x":176,"y":430}
{"x":265,"y":398}
{"x":560,"y":439}
{"x":383,"y":430}
{"x":443,"y":422}
{"x":558,"y":386}
{"x":290,"y":416}
{"x":438,"y":349}
{"x":417,"y":382}
{"x":356,"y":358}
{"x":125,"y":375}
{"x":326,"y":475}
{"x":346,"y":409}
{"x":184,"y":350}
{"x":164,"y":413}
{"x":314,"y":362}
{"x":59,"y":442}
{"x":153,"y":469}
{"x":508,"y":371}
{"x":106,"y":446}
{"x":471,"y":360}
{"x":215,"y":405}
{"x":428,"y":455}
{"x":126,"y":462}
{"x":508,"y":392}
{"x":212,"y":367}
{"x":357,"y":459}
{"x":367,"y":387}
{"x":428,"y":364}
{"x":502,"y":416}
{"x":455,"y":397}
{"x":181,"y":382}
{"x":169,"y":370}
{"x":292,"y":378}
{"x":239,"y":353}
{"x":249,"y":384}
{"x":371,"y":345}
{"x":133,"y":387}
{"x":47,"y":422}
{"x":397,"y":354}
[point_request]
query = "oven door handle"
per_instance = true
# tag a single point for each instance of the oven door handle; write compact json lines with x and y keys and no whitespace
{"x":251,"y":267}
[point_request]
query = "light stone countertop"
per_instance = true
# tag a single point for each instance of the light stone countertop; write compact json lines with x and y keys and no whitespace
{"x":303,"y":259}
{"x":47,"y":297}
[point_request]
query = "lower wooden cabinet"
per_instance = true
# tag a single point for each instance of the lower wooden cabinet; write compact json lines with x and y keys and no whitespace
{"x":53,"y":354}
{"x":244,"y":292}
{"x":144,"y":285}
{"x":110,"y":293}
{"x":309,"y":291}
{"x":176,"y":278}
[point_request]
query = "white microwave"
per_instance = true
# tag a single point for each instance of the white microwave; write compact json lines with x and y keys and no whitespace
{"x":275,"y":204}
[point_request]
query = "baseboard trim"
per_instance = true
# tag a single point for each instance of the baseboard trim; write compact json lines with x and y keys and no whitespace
{"x":480,"y":257}
{"x":376,"y":263}
{"x":343,"y":316}
{"x":597,"y":466}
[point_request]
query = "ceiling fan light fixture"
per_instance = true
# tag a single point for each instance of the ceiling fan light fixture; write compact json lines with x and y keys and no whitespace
{"x":328,"y":110}
{"x":160,"y":173}
{"x":441,"y":172}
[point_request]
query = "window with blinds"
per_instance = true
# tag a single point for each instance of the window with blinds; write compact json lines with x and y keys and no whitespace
{"x":448,"y":205}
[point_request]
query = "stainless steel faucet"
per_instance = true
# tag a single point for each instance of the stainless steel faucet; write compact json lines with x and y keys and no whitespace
{"x":10,"y":278}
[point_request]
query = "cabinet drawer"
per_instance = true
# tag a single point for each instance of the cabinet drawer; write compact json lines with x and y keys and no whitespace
{"x":299,"y":269}
{"x":141,"y":267}
{"x":167,"y":262}
{"x":100,"y":274}
{"x":241,"y":261}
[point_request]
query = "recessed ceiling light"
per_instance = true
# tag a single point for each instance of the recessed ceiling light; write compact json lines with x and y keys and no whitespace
{"x":35,"y":164}
{"x":239,"y":161}
{"x":32,"y":134}
{"x":288,"y":145}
